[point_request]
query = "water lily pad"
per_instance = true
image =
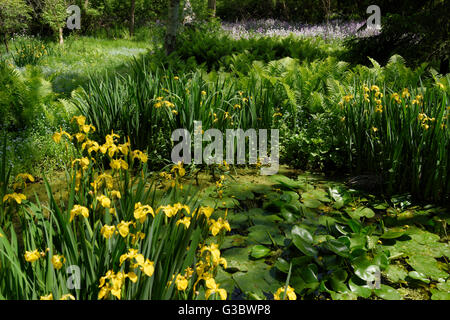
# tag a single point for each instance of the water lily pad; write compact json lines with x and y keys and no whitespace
{"x":418,"y":276}
{"x":237,"y":259}
{"x":317,"y":194}
{"x":265,"y":219}
{"x":428,"y":266}
{"x":393,"y":233}
{"x":286,"y":182}
{"x":258,"y":279}
{"x":440,"y":295}
{"x":365,"y":268}
{"x":302,"y":233}
{"x":235,"y":240}
{"x":282,"y":265}
{"x":264,"y":234}
{"x":312,"y":203}
{"x":225,"y":280}
{"x":360,"y":212}
{"x":238,"y":220}
{"x":387,"y":293}
{"x":303,"y":240}
{"x":310,"y":273}
{"x":337,"y":281}
{"x":338,"y":247}
{"x":395,"y":273}
{"x":259,"y":251}
{"x":343,"y":296}
{"x":337,"y":197}
{"x":359,"y":287}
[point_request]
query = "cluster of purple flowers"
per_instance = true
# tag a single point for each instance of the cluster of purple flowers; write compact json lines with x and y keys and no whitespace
{"x":269,"y":27}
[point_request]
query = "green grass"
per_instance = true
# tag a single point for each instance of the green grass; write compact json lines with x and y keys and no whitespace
{"x":68,"y":66}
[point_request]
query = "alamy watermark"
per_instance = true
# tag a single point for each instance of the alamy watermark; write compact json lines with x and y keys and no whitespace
{"x":74,"y":20}
{"x":74,"y":280}
{"x":235,"y":142}
{"x":374,"y":20}
{"x":375,"y":280}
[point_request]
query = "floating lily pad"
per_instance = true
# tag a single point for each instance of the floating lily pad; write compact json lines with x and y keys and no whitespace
{"x":235,"y":240}
{"x":387,"y":293}
{"x":365,"y":268}
{"x":286,"y":182}
{"x":259,"y":251}
{"x":428,"y":266}
{"x":393,"y":233}
{"x":337,"y":281}
{"x":237,"y":259}
{"x":440,"y":295}
{"x":395,"y":273}
{"x":258,"y":279}
{"x":418,"y":276}
{"x":312,"y":203}
{"x":360,"y":212}
{"x":317,"y":194}
{"x":337,"y":197}
{"x":263,"y":234}
{"x":338,"y":247}
{"x":359,"y":287}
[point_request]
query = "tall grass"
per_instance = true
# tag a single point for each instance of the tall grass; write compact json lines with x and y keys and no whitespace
{"x":404,"y":137}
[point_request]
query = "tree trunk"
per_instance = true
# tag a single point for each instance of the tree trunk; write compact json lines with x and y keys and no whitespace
{"x":61,"y":38}
{"x":172,"y":26}
{"x":212,"y":8}
{"x":133,"y":9}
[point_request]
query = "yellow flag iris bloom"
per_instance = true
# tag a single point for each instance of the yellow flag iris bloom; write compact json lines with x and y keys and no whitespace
{"x":18,"y":197}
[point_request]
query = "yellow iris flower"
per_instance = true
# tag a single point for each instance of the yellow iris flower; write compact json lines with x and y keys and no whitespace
{"x":18,"y":197}
{"x":186,"y":221}
{"x":104,"y":201}
{"x":78,"y":210}
{"x":213,"y":288}
{"x":32,"y":256}
{"x":107,"y":231}
{"x":124,"y":228}
{"x":181,"y":282}
{"x":58,"y":261}
{"x":290,"y":294}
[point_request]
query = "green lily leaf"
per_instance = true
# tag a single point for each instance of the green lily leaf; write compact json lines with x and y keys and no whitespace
{"x":418,"y":276}
{"x":393,"y":233}
{"x":337,"y":197}
{"x":387,"y":293}
{"x":338,"y":247}
{"x":365,"y":268}
{"x":302,"y":233}
{"x":395,"y":273}
{"x":440,"y":295}
{"x":359,"y":287}
{"x":428,"y":266}
{"x":259,"y":252}
{"x":312,"y":203}
{"x":282,"y":265}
